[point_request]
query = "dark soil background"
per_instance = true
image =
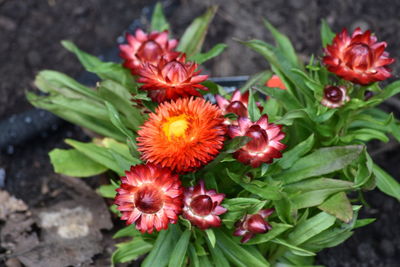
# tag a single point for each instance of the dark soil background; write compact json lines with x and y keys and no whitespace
{"x":30,"y":34}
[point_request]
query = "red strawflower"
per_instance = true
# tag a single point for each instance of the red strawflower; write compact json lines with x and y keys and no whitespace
{"x":149,"y":196}
{"x":335,"y":96}
{"x":171,"y":79}
{"x":142,"y":48}
{"x":253,"y":224}
{"x":359,"y":58}
{"x":264,"y":145}
{"x":182,"y":135}
{"x":276,"y":82}
{"x":202,"y":207}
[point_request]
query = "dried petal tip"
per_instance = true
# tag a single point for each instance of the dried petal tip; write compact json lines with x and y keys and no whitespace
{"x":253,"y":224}
{"x":335,"y":96}
{"x":264,"y":145}
{"x":359,"y":58}
{"x":171,"y":78}
{"x":202,"y":207}
{"x":146,"y":48}
{"x":150,"y":197}
{"x":182,"y":135}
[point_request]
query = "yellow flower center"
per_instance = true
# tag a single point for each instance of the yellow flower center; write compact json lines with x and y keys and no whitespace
{"x":175,"y":126}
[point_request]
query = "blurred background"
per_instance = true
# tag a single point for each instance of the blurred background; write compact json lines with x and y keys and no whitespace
{"x":30,"y":35}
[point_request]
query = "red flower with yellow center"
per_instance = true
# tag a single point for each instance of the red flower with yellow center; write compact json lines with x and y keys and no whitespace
{"x":202,"y":207}
{"x":142,"y":48}
{"x":253,"y":224}
{"x":264,"y":145}
{"x":149,"y":196}
{"x":275,"y":82}
{"x":359,"y":58}
{"x":182,"y":135}
{"x":171,"y":79}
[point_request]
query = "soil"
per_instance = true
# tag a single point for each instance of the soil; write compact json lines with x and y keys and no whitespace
{"x":30,"y":32}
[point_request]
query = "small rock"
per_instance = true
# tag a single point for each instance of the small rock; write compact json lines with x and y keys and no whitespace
{"x":7,"y":24}
{"x":366,"y":252}
{"x":387,"y":248}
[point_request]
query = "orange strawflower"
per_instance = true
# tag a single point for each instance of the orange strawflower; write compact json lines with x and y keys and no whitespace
{"x":182,"y":135}
{"x":171,"y":78}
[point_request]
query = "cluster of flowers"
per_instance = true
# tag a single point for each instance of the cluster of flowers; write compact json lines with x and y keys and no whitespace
{"x":186,"y":132}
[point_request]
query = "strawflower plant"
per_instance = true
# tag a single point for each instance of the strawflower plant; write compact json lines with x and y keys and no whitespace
{"x":268,"y":175}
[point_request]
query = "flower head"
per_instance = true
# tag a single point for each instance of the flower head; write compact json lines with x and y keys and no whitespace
{"x":359,"y":58}
{"x":264,"y":145}
{"x":182,"y":135}
{"x":149,"y":196}
{"x":202,"y":207}
{"x":253,"y":224}
{"x":335,"y":96}
{"x":142,"y":48}
{"x":171,"y":79}
{"x":276,"y":82}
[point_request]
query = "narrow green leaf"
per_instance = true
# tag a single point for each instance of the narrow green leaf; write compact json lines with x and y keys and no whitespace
{"x":363,"y":222}
{"x":218,"y":256}
{"x":322,"y":161}
{"x":97,"y":153}
{"x":158,"y":21}
{"x":339,"y":206}
{"x":294,"y":249}
{"x":193,"y":37}
{"x":283,"y":96}
{"x":291,"y":116}
{"x":127,"y":231}
{"x":291,"y":156}
{"x":277,"y":229}
{"x":283,"y":44}
{"x":326,"y":34}
{"x":386,"y":183}
{"x":161,"y":251}
{"x":237,"y":254}
{"x":73,"y":163}
{"x":178,"y":255}
{"x":254,"y":112}
{"x":130,"y":250}
{"x":256,"y":80}
{"x":200,"y":58}
{"x":107,"y":191}
{"x":311,"y":227}
{"x":210,"y":236}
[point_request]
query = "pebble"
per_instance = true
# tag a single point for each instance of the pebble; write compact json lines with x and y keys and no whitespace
{"x":7,"y":24}
{"x":387,"y":248}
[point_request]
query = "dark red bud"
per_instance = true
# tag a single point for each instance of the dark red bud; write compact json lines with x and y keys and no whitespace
{"x":237,"y":108}
{"x":202,"y":205}
{"x":333,"y":94}
{"x":259,"y":138}
{"x":149,"y":51}
{"x":256,"y":224}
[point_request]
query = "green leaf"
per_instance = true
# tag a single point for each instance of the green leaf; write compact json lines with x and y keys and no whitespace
{"x":311,"y":227}
{"x":200,"y":58}
{"x":386,"y":183}
{"x":210,"y":236}
{"x":97,"y":153}
{"x":158,"y":20}
{"x":283,"y":96}
{"x":127,"y":231}
{"x":130,"y":250}
{"x":217,"y":256}
{"x":266,"y":192}
{"x":364,"y":135}
{"x":363,"y":222}
{"x":193,"y":37}
{"x":107,"y":191}
{"x":283,"y":44}
{"x":194,"y":259}
{"x":326,"y":34}
{"x":277,"y":229}
{"x":73,"y":163}
{"x":162,"y":249}
{"x":290,"y":157}
{"x":257,"y":79}
{"x":179,"y":253}
{"x":322,"y":161}
{"x":283,"y":208}
{"x":105,"y":70}
{"x":294,"y":249}
{"x":291,"y":116}
{"x":237,"y":254}
{"x":254,"y":112}
{"x":313,"y":192}
{"x":389,"y":91}
{"x":339,"y":206}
